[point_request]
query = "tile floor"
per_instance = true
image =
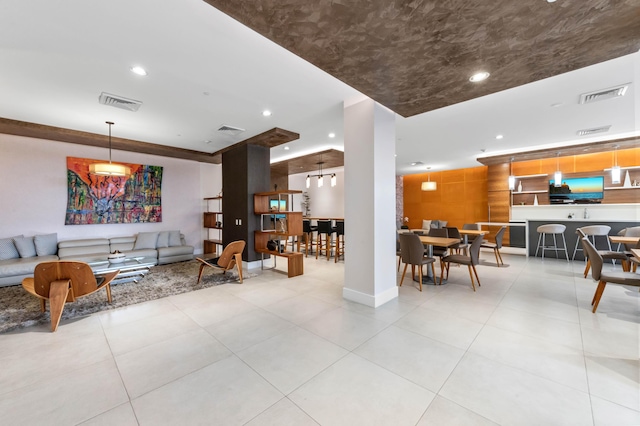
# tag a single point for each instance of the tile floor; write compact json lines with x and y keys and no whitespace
{"x":524,"y":349}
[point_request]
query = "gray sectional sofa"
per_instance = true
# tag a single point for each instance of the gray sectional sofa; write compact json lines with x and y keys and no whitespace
{"x":20,"y":255}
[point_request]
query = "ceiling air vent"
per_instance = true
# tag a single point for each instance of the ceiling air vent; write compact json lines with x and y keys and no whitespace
{"x":601,"y":95}
{"x":230,"y":130}
{"x":119,"y":101}
{"x":586,"y":132}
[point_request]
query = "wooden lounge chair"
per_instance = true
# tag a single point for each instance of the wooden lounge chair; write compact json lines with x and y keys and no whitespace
{"x":64,"y":281}
{"x":231,"y":256}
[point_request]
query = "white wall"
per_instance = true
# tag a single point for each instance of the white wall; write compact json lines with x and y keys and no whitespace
{"x":33,"y":190}
{"x":327,"y":201}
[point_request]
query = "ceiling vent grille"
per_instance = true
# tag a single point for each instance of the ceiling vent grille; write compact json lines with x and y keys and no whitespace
{"x":119,"y":101}
{"x":586,"y":132}
{"x":230,"y":130}
{"x":601,"y":95}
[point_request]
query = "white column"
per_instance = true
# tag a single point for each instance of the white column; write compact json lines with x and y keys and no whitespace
{"x":370,"y":230}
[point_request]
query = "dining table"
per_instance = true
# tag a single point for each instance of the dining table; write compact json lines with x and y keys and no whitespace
{"x":429,"y":242}
{"x":466,"y":232}
{"x":617,"y":239}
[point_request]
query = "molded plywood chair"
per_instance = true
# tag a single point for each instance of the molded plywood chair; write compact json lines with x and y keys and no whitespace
{"x":622,"y":278}
{"x":606,"y":254}
{"x":64,"y":281}
{"x":471,"y":261}
{"x":412,"y":253}
{"x":496,"y":246}
{"x":231,"y":256}
{"x":591,"y":232}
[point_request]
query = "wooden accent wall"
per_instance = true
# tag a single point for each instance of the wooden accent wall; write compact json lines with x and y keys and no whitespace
{"x":461,"y":197}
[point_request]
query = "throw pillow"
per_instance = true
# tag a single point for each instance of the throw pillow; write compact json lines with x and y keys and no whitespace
{"x":174,"y":239}
{"x":8,"y":249}
{"x":146,"y":240}
{"x":46,"y":244}
{"x":426,"y":224}
{"x":443,"y":223}
{"x":25,"y":246}
{"x":435,"y":224}
{"x":163,"y":239}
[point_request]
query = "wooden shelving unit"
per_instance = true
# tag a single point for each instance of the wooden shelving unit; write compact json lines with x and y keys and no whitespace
{"x":212,"y":220}
{"x":275,"y":207}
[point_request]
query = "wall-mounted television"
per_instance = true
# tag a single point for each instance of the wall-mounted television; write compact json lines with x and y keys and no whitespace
{"x":584,"y":190}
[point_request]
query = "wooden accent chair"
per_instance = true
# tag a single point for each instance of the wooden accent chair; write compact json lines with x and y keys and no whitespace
{"x":616,"y":277}
{"x":64,"y":281}
{"x":496,"y":246}
{"x":231,"y":256}
{"x":471,"y":261}
{"x":412,"y":253}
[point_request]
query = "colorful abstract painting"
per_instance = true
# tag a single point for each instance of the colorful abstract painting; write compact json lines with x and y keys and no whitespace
{"x":94,"y":199}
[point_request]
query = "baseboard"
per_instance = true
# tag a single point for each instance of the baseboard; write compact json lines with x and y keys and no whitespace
{"x":368,"y":299}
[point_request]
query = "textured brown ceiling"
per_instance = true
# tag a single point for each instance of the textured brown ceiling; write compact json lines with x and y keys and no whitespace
{"x":309,"y":163}
{"x":417,"y":56}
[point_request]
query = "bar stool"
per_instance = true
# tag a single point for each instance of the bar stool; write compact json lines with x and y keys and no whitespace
{"x":551,"y":229}
{"x":308,"y":231}
{"x":591,"y":232}
{"x":339,"y":231}
{"x":324,"y":228}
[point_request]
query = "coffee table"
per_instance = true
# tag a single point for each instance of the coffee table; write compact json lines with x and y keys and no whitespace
{"x":131,"y":269}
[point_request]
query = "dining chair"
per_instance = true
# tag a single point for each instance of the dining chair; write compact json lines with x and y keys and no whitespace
{"x":591,"y":232}
{"x":496,"y":246}
{"x":606,"y":254}
{"x":64,"y":281}
{"x":231,"y":257}
{"x":470,"y":260}
{"x":452,"y":232}
{"x":552,"y":229}
{"x":412,"y":253}
{"x":614,"y":277}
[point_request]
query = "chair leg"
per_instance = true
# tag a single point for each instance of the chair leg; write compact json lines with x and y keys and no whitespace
{"x":433,"y":271}
{"x":238,"y":257}
{"x":471,"y":276}
{"x":200,"y":273}
{"x":500,"y":256}
{"x":58,"y":293}
{"x":475,"y":272}
{"x":108,"y":287}
{"x":598,"y":295}
{"x":43,"y":305}
{"x":403,"y":272}
{"x":443,"y":266}
{"x":420,"y":276}
{"x":495,"y":253}
{"x":587,"y":268}
{"x":399,"y":259}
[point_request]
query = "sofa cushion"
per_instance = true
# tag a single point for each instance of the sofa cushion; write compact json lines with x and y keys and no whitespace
{"x":174,"y":251}
{"x":163,"y":239}
{"x":174,"y":239}
{"x":25,"y":246}
{"x":122,"y":244}
{"x":426,"y":224}
{"x":91,"y":248}
{"x":146,"y":240}
{"x":24,"y":266}
{"x":46,"y":245}
{"x":8,"y":249}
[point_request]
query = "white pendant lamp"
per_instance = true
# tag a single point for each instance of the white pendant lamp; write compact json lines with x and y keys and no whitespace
{"x":615,"y":170}
{"x":428,"y":185}
{"x":109,"y":169}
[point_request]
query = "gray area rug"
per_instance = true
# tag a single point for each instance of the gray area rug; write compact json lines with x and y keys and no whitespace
{"x":20,"y":309}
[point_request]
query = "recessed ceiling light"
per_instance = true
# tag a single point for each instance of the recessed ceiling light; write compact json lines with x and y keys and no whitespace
{"x":417,"y":163}
{"x":556,"y":105}
{"x":480,"y":76}
{"x":138,"y":70}
{"x":286,"y":148}
{"x":499,"y":137}
{"x":551,"y":1}
{"x":266,"y":113}
{"x":332,"y":135}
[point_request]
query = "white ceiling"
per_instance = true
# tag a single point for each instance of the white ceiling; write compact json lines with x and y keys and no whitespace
{"x":206,"y":70}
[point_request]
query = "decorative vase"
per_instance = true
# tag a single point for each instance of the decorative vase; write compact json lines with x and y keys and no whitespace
{"x":627,"y":180}
{"x":519,"y":186}
{"x":535,"y":200}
